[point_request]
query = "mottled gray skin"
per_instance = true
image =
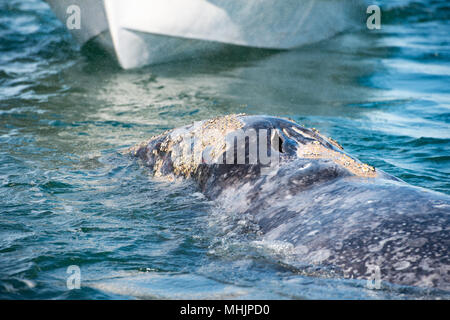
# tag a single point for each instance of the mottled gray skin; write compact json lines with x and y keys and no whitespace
{"x":334,"y":218}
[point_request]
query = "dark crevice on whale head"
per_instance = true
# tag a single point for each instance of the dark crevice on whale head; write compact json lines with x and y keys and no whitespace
{"x":280,"y":145}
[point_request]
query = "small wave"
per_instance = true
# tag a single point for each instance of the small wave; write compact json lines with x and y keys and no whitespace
{"x":22,"y":110}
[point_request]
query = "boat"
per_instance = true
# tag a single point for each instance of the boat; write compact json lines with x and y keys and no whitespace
{"x":143,"y":32}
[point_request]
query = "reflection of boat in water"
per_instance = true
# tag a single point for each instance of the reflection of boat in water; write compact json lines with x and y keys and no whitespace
{"x":140,"y":32}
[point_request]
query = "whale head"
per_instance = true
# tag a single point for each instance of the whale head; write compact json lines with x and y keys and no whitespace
{"x":242,"y":144}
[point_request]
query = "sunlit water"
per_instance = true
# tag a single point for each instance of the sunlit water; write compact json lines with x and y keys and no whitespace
{"x":69,"y":197}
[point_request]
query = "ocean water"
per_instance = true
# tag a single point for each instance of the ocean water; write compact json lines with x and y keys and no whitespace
{"x":68,"y":196}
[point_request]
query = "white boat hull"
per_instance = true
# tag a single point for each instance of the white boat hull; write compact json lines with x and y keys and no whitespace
{"x":142,"y":32}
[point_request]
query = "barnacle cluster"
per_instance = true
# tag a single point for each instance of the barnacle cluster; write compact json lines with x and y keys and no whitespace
{"x":180,"y":151}
{"x":317,"y":150}
{"x":186,"y":147}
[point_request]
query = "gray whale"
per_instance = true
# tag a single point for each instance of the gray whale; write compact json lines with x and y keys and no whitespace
{"x":339,"y":214}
